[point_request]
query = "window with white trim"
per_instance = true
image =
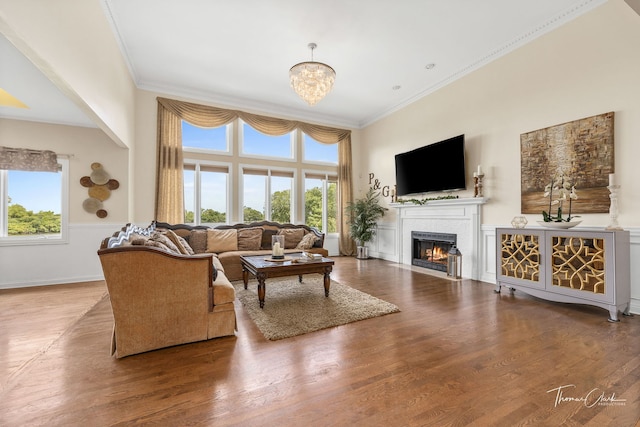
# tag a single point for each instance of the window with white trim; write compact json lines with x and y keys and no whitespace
{"x":206,"y":189}
{"x":255,"y":143}
{"x":34,"y":206}
{"x":317,"y":152}
{"x":320,"y":191}
{"x":267,"y":194}
{"x":197,"y":139}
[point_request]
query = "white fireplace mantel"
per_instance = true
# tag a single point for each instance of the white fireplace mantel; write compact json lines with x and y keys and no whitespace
{"x":458,"y":216}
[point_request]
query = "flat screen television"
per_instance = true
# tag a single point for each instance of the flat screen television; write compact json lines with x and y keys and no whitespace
{"x":434,"y":167}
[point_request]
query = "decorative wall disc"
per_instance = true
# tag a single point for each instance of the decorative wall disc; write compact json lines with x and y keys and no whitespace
{"x":91,"y":205}
{"x":85,"y":181}
{"x":99,"y":176}
{"x":100,"y":192}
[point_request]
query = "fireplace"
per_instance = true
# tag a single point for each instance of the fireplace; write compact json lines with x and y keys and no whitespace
{"x":430,"y":249}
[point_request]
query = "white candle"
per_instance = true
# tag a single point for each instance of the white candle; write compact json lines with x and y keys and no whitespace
{"x":276,"y":248}
{"x":612,"y":179}
{"x":479,"y":170}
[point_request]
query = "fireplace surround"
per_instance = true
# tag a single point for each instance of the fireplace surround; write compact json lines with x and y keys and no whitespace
{"x":461,"y":217}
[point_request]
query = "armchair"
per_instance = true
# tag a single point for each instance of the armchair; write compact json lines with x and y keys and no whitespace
{"x":161,"y":299}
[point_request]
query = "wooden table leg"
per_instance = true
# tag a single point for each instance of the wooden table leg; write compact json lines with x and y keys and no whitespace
{"x":300,"y":278}
{"x":261,"y":288}
{"x":245,"y":276}
{"x":327,"y":281}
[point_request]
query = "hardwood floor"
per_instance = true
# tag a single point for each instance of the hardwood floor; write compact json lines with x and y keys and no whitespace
{"x":457,"y":354}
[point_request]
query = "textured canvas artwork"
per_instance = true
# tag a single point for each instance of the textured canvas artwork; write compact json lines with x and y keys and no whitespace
{"x":582,"y":150}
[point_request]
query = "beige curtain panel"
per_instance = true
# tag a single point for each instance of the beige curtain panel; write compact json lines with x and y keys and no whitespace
{"x":28,"y":160}
{"x":169,"y":188}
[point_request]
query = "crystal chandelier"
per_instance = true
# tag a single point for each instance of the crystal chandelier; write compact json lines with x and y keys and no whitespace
{"x":312,"y":81}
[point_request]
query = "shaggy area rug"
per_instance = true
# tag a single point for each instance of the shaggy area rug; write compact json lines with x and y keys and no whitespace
{"x":293,"y":308}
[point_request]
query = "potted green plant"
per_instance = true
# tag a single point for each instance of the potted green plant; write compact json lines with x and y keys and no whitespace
{"x":363,"y":215}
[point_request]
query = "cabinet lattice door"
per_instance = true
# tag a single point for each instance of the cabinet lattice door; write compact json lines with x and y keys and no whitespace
{"x":521,"y":256}
{"x":578,"y":263}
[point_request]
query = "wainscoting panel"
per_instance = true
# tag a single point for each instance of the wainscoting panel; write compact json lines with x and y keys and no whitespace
{"x":488,"y":254}
{"x":75,"y":261}
{"x":383,"y":245}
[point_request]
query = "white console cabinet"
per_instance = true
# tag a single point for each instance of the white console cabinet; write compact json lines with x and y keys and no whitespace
{"x":583,"y":266}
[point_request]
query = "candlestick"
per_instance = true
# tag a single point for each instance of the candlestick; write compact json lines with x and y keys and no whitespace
{"x":477,"y":180}
{"x":613,"y":207}
{"x":479,"y":170}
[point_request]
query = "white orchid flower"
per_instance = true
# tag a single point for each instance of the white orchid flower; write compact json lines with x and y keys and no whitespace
{"x":573,"y":195}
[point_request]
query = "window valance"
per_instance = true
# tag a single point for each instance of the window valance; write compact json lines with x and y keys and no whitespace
{"x":28,"y":160}
{"x":207,"y":116}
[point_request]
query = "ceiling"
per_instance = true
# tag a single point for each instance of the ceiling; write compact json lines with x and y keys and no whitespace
{"x":237,"y":54}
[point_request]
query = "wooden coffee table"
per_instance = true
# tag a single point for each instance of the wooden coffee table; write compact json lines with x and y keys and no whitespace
{"x":262,"y":268}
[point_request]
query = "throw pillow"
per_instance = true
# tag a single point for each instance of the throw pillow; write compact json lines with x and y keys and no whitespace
{"x":222,"y":240}
{"x":307,"y":241}
{"x":162,"y":238}
{"x":249,"y":239}
{"x":180,"y":243}
{"x":266,"y":238}
{"x":186,"y":245}
{"x":151,"y":243}
{"x":138,"y":239}
{"x":198,"y":241}
{"x":292,"y":237}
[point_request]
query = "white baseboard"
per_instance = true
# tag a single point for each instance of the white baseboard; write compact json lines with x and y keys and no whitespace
{"x":60,"y":281}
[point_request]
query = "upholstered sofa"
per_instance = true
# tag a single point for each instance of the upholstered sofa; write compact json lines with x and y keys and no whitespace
{"x":229,"y":242}
{"x":170,"y":284}
{"x":161,"y":298}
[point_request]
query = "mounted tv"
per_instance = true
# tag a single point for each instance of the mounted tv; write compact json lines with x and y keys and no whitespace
{"x":434,"y":167}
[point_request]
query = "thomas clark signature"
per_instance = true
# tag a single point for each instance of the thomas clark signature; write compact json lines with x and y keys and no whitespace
{"x":591,"y":399}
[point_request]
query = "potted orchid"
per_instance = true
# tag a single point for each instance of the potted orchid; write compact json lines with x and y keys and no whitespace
{"x":559,"y":190}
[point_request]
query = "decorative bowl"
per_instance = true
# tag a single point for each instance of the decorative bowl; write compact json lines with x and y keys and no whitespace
{"x":559,"y":225}
{"x":519,"y":222}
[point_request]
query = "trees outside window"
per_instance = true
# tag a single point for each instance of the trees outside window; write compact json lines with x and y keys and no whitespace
{"x":320,"y":202}
{"x":205,"y":193}
{"x":268,"y":192}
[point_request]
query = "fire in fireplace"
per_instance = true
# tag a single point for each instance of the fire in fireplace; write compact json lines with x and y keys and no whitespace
{"x":430,"y":249}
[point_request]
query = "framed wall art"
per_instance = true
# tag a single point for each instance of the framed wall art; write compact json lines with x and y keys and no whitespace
{"x":581,"y":150}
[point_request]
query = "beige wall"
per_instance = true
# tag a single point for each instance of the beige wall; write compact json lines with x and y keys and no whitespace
{"x":85,"y":146}
{"x":144,"y":164}
{"x":587,"y":67}
{"x":72,"y":44}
